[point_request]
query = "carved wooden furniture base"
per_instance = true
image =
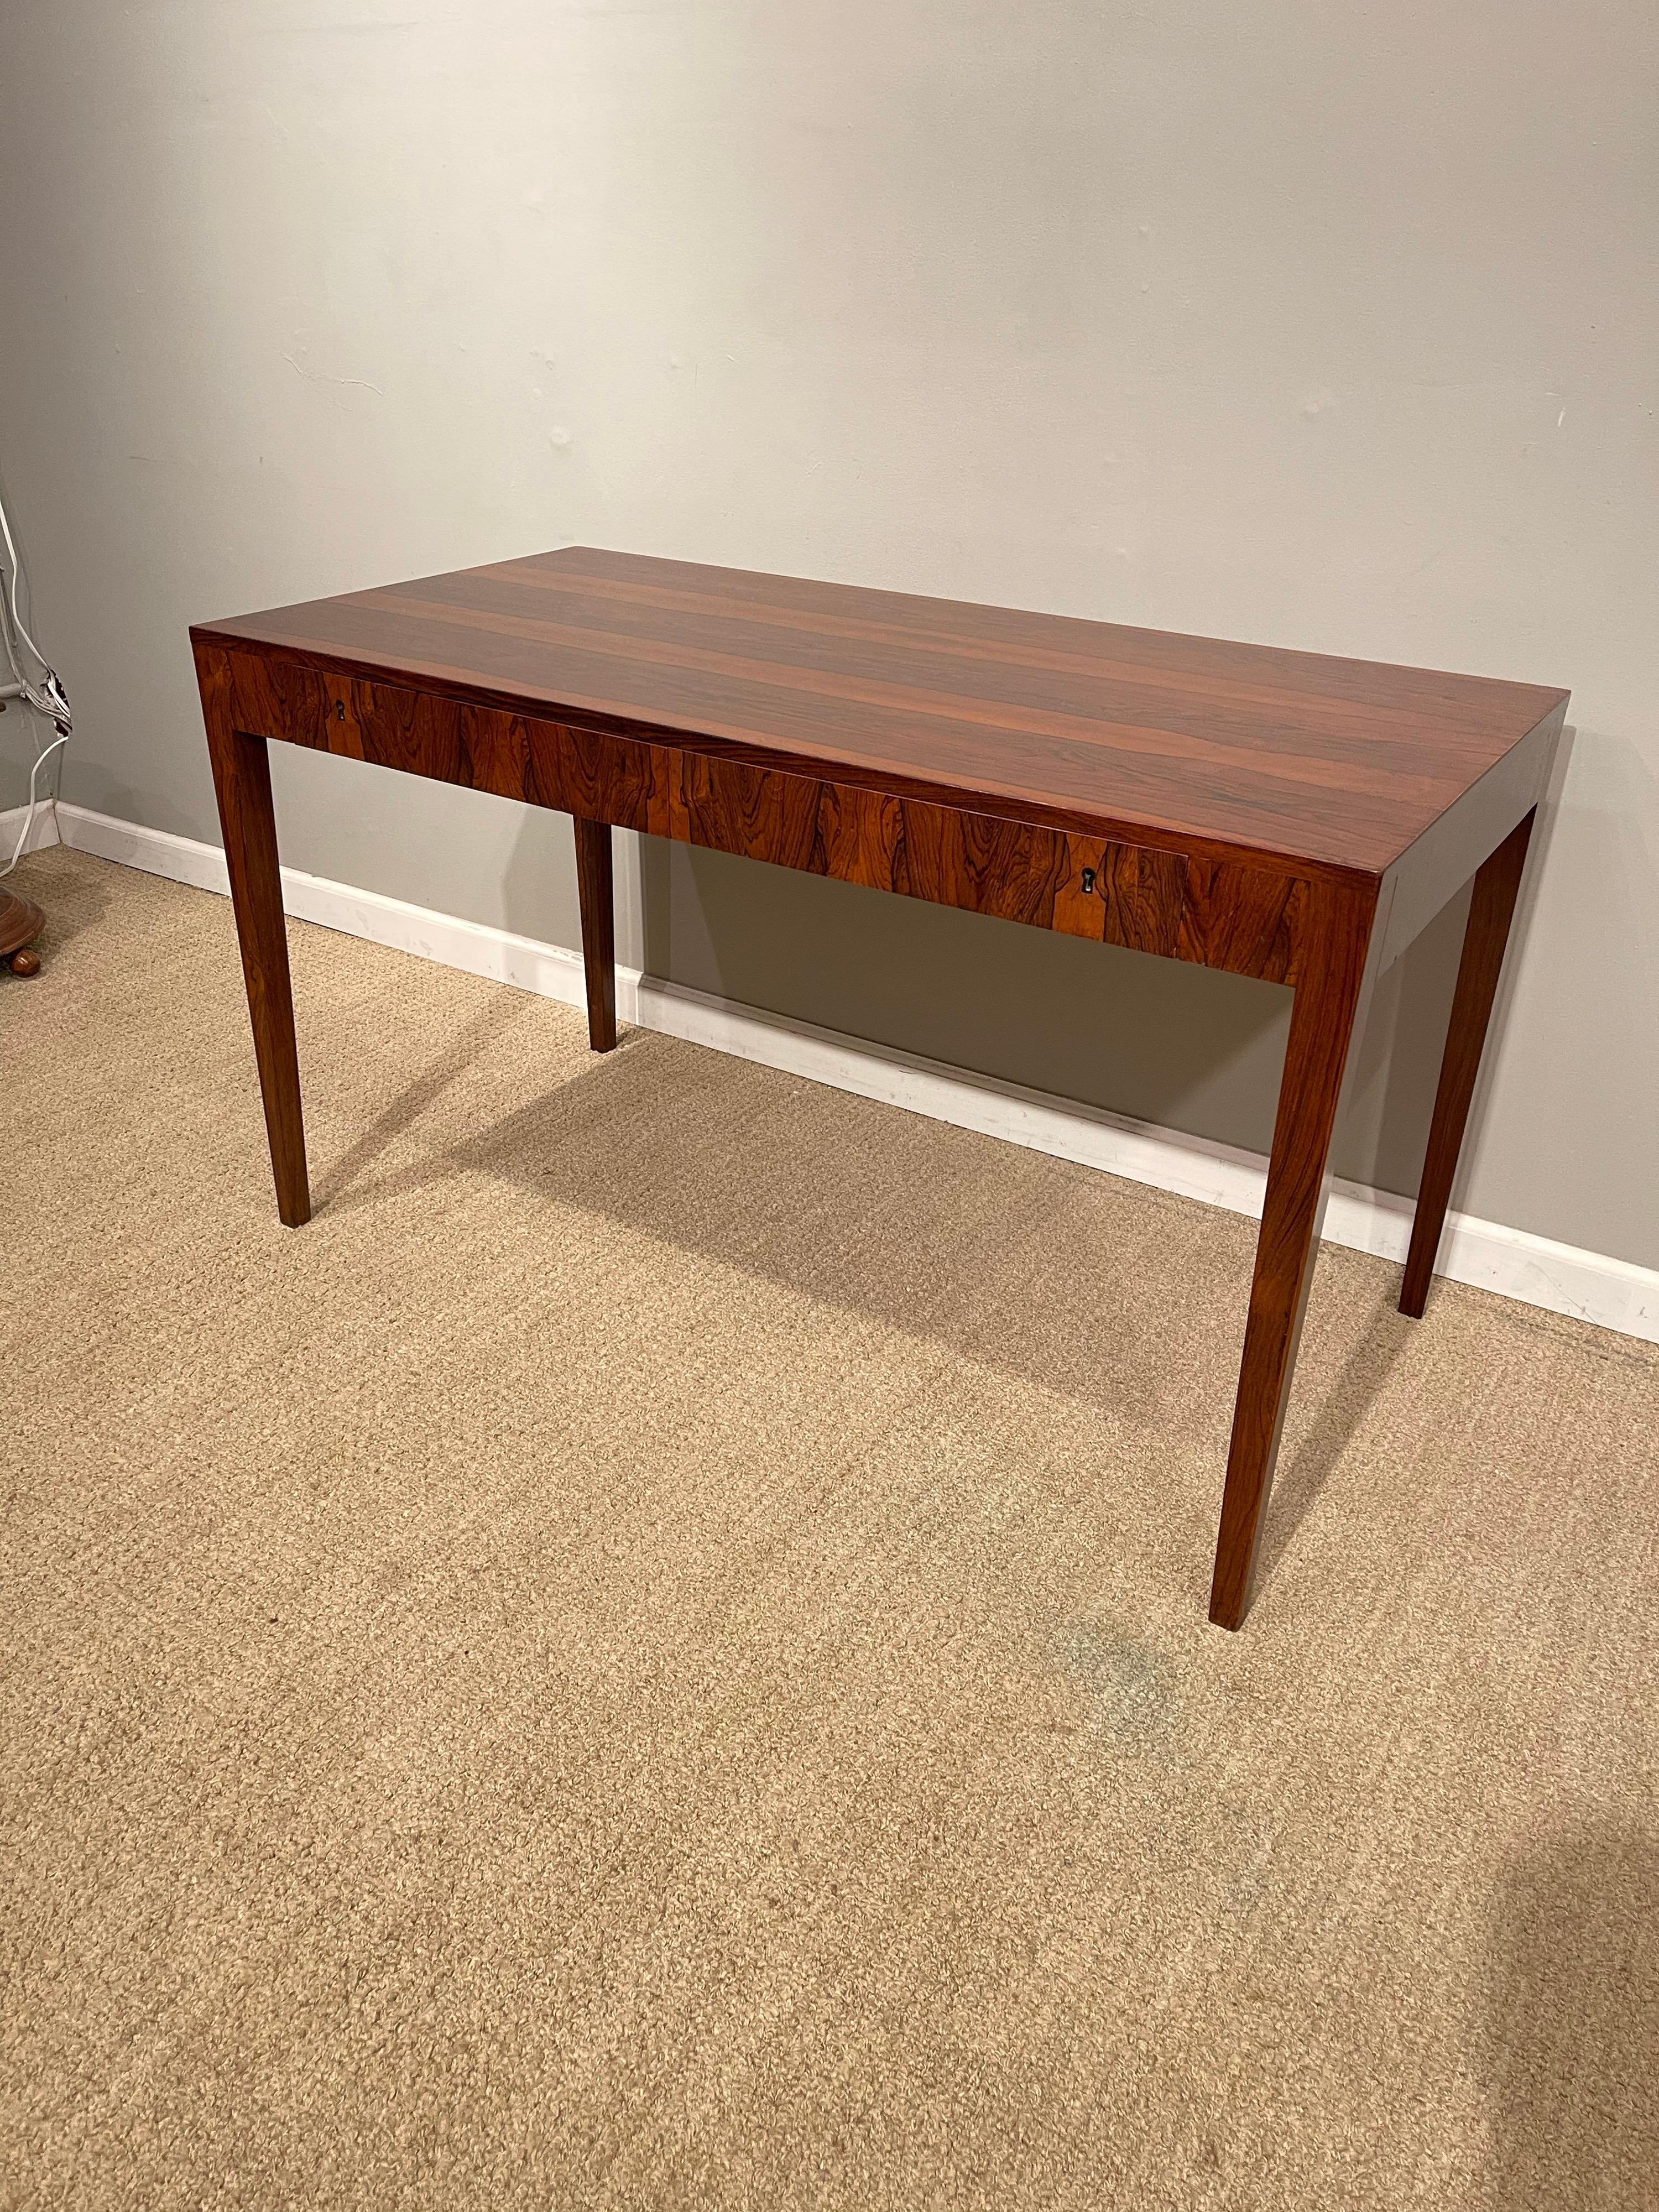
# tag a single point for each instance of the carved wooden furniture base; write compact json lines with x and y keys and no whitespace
{"x":21,"y":921}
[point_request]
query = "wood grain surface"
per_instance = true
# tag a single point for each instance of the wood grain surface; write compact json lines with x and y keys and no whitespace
{"x":241,"y":780}
{"x":1329,"y":764}
{"x":1486,"y":934}
{"x":1218,"y":913}
{"x":595,"y":890}
{"x":1340,"y":970}
{"x":1281,"y":815}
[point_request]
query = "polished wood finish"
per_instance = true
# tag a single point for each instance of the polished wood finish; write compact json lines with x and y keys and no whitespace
{"x":241,"y":782}
{"x":1281,"y":815}
{"x":1486,"y":934}
{"x":1192,"y":907}
{"x":594,"y":888}
{"x":1324,"y":1015}
{"x":1303,"y":760}
{"x":20,"y":920}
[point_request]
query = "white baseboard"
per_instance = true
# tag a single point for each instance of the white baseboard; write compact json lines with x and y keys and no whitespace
{"x":1612,"y":1293}
{"x":43,"y":831}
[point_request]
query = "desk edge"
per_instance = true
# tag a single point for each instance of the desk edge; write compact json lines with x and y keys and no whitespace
{"x":993,"y":800}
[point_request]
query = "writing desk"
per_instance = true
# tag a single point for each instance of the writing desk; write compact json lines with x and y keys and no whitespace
{"x":1283,"y":815}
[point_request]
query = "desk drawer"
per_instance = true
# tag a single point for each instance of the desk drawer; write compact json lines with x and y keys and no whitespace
{"x":604,"y":778}
{"x":1218,"y":914}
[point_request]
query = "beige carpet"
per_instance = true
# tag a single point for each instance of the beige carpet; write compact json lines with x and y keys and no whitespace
{"x":655,"y":1655}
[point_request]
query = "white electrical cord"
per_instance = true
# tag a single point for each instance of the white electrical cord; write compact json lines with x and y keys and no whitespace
{"x":48,"y":697}
{"x":11,"y":596}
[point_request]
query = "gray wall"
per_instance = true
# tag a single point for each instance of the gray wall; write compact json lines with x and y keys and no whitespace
{"x":1327,"y":327}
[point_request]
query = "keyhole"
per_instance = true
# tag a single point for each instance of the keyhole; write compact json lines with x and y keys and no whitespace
{"x":339,"y":710}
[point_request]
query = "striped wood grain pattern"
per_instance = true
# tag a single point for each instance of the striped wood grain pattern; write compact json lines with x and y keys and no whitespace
{"x":1277,"y":814}
{"x":1153,"y":738}
{"x":1218,"y":913}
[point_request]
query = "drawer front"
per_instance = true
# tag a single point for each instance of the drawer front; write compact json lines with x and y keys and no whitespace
{"x":607,"y":779}
{"x":1218,"y":914}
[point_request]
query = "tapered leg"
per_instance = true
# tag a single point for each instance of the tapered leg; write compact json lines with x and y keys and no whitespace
{"x":1334,"y":980}
{"x":1487,"y":934}
{"x":598,"y":929}
{"x":241,"y":777}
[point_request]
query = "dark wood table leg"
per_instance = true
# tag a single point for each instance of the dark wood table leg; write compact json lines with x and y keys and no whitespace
{"x":1329,"y":992}
{"x":241,"y":778}
{"x":593,"y":885}
{"x":1485,"y":938}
